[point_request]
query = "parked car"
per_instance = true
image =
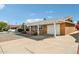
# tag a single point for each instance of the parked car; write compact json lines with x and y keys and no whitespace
{"x":11,"y":30}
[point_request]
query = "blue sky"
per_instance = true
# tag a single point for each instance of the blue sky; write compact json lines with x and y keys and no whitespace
{"x":19,"y":13}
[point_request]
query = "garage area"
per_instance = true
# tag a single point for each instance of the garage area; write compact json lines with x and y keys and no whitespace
{"x":50,"y":29}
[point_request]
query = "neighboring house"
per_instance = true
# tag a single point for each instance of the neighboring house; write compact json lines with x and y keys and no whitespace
{"x":13,"y":26}
{"x":44,"y":27}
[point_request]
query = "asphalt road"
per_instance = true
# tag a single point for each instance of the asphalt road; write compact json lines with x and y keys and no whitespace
{"x":5,"y":36}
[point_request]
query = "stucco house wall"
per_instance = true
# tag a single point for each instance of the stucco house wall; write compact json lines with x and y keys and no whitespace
{"x":67,"y":28}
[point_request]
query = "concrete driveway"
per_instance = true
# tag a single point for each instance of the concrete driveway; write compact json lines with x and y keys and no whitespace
{"x":21,"y":45}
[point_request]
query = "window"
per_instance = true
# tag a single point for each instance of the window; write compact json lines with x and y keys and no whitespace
{"x":40,"y":27}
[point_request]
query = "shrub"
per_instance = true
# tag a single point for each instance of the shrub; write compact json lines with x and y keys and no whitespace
{"x":3,"y":25}
{"x":24,"y":32}
{"x":20,"y":30}
{"x":5,"y":29}
{"x":27,"y":29}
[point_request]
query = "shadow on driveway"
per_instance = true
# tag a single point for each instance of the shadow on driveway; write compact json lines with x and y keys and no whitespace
{"x":36,"y":37}
{"x":76,"y":36}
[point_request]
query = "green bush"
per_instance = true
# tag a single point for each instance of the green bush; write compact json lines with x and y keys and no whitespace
{"x":2,"y":26}
{"x":1,"y":30}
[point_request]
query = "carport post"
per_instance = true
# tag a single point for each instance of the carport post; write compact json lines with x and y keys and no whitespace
{"x":54,"y":29}
{"x":30,"y":28}
{"x":24,"y":27}
{"x":37,"y":29}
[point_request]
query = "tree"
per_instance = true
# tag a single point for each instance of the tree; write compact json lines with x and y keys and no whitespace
{"x":44,"y":19}
{"x":3,"y":25}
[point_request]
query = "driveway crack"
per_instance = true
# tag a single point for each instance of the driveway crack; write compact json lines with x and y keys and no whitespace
{"x":29,"y":50}
{"x":2,"y":49}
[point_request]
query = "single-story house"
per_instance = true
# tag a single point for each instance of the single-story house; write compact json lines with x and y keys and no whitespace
{"x":13,"y":26}
{"x":59,"y":27}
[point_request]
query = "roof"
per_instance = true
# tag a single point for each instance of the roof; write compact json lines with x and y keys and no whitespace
{"x":44,"y":22}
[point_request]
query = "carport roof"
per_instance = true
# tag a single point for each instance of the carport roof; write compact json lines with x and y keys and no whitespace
{"x":45,"y":22}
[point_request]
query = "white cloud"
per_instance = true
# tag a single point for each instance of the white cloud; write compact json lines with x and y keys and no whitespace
{"x":3,"y":21}
{"x":2,"y":6}
{"x":33,"y":20}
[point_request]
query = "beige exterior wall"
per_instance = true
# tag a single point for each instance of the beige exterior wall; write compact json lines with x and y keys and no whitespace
{"x":67,"y":28}
{"x":62,"y":29}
